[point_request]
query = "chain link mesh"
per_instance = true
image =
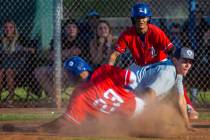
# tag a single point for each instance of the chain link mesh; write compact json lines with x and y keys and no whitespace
{"x":27,"y":64}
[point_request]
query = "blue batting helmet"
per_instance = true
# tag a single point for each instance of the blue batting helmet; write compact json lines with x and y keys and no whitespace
{"x":141,"y":10}
{"x":76,"y":65}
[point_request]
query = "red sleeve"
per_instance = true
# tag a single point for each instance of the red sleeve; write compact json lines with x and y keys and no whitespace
{"x":100,"y":73}
{"x":121,"y":76}
{"x":186,"y":96}
{"x":121,"y":44}
{"x":118,"y":76}
{"x":163,"y":41}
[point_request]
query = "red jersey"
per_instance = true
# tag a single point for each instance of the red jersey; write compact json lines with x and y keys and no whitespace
{"x":151,"y":50}
{"x":103,"y":95}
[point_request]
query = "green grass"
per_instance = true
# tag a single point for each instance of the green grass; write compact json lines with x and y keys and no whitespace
{"x":204,"y":95}
{"x":27,"y":116}
{"x":49,"y":115}
{"x":203,"y":98}
{"x":204,"y":115}
{"x":21,"y":94}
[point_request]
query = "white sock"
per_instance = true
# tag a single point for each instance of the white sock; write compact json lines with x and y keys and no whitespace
{"x":139,"y":107}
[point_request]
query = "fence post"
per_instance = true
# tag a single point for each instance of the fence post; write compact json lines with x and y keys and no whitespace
{"x":192,"y":37}
{"x":57,"y":46}
{"x":191,"y":27}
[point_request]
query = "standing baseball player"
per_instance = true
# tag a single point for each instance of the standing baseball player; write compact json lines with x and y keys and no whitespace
{"x":150,"y":47}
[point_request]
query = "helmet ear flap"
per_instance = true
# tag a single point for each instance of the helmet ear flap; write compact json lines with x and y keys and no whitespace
{"x":133,"y":20}
{"x":149,"y":19}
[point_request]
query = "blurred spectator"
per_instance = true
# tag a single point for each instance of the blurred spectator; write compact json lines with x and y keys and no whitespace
{"x":199,"y":67}
{"x":88,"y":28}
{"x":101,"y":45}
{"x":12,"y":58}
{"x":71,"y":42}
{"x":206,"y":39}
{"x":175,"y":35}
{"x":70,"y":47}
{"x":205,"y":61}
{"x":163,"y":26}
{"x":201,"y":26}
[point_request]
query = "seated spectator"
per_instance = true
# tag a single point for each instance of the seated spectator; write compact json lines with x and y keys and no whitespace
{"x":200,"y":28}
{"x":207,"y":43}
{"x":176,"y":35}
{"x":194,"y":39}
{"x":205,"y":61}
{"x":101,"y":45}
{"x":88,"y":27}
{"x":70,"y":47}
{"x":12,"y":52}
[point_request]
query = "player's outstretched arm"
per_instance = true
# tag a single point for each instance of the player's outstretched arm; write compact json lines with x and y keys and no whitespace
{"x":113,"y":57}
{"x":183,"y":110}
{"x":182,"y":102}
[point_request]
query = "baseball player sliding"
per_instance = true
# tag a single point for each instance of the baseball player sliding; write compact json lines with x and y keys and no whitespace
{"x":101,"y":97}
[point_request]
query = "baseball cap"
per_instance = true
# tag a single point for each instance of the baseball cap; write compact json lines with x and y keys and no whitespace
{"x":93,"y":13}
{"x":184,"y":52}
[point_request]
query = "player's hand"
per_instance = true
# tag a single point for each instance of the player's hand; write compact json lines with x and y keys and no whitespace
{"x":193,"y":115}
{"x":190,"y":128}
{"x":109,"y":39}
{"x":101,"y":40}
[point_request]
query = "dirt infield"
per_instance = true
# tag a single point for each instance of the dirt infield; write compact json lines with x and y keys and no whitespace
{"x":202,"y":133}
{"x":161,"y":121}
{"x":144,"y":131}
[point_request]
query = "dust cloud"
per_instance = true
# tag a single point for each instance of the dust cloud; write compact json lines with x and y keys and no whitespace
{"x":161,"y":119}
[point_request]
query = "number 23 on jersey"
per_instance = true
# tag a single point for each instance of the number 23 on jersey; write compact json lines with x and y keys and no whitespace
{"x":109,"y":102}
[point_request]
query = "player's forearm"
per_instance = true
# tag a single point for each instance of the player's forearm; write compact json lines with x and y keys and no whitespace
{"x":183,"y":109}
{"x":181,"y":99}
{"x":113,"y":57}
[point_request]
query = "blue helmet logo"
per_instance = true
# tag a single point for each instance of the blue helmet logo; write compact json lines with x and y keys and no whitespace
{"x":76,"y":65}
{"x":141,"y":10}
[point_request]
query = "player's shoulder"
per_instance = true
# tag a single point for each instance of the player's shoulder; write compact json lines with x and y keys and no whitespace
{"x":103,"y":67}
{"x":101,"y":71}
{"x":107,"y":69}
{"x":155,"y":29}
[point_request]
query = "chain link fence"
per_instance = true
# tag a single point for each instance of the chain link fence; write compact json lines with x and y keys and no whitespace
{"x":38,"y":35}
